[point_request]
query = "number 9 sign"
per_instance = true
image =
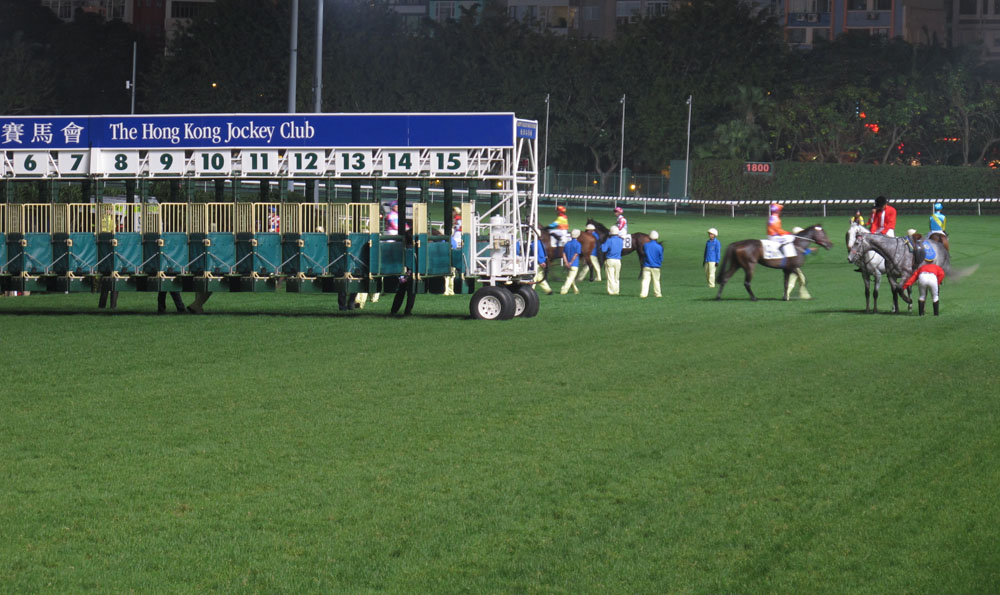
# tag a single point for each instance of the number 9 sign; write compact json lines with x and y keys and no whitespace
{"x":166,"y":163}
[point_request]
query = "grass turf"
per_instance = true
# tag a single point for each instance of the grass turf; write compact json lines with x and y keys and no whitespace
{"x":611,"y":444}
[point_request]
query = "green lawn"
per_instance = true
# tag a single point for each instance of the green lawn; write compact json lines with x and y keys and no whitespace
{"x":611,"y":444}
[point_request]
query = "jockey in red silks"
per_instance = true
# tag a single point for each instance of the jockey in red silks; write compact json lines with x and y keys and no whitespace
{"x":622,"y":222}
{"x":883,"y":219}
{"x":929,"y":277}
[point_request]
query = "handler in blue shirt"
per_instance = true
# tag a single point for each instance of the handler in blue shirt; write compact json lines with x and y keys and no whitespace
{"x":652,"y":260}
{"x":540,"y":273}
{"x":712,"y":250}
{"x":571,"y":260}
{"x":612,"y":249}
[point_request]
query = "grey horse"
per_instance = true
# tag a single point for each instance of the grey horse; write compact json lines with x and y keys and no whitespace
{"x":872,"y":267}
{"x":898,"y":255}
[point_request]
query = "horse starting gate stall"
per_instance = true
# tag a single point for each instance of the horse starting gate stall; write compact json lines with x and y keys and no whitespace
{"x":262,"y":246}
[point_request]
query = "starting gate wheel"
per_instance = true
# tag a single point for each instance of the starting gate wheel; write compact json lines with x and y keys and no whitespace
{"x":526,"y":300}
{"x":492,"y":303}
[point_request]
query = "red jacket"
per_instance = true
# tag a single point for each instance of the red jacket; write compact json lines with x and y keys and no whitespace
{"x":927,"y":268}
{"x":883,"y":221}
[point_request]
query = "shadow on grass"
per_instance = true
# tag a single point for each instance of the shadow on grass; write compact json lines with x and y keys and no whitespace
{"x":219,"y":313}
{"x":860,"y":312}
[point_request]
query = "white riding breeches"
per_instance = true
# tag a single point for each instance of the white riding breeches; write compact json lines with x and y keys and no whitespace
{"x":927,"y":282}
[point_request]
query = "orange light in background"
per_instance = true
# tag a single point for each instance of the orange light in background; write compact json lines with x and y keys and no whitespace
{"x":873,"y":126}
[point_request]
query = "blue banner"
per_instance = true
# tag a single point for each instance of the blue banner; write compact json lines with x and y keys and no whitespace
{"x":263,"y":131}
{"x":45,"y":132}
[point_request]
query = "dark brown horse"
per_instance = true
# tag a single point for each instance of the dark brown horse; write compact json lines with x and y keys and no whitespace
{"x":639,"y":240}
{"x":746,"y":254}
{"x":553,"y":254}
{"x":940,"y":238}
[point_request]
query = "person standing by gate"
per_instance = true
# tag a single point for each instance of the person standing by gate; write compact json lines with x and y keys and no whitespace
{"x":571,"y":260}
{"x":612,"y":249}
{"x":652,"y":260}
{"x":712,"y":251}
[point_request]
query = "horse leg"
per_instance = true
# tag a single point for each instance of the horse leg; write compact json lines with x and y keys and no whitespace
{"x":789,"y":284}
{"x":725,"y":272}
{"x":864,"y":276}
{"x":803,"y":292}
{"x":746,"y":282}
{"x":878,"y":283}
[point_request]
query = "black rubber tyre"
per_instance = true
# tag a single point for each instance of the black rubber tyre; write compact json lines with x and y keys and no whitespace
{"x":529,"y":299}
{"x":492,"y":303}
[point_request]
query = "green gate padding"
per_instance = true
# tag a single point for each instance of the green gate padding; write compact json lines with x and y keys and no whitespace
{"x":305,"y":253}
{"x":391,"y":255}
{"x":221,"y":258}
{"x":170,"y":259}
{"x":74,"y":253}
{"x":34,"y":258}
{"x":434,"y":256}
{"x":349,"y":254}
{"x":3,"y":253}
{"x":263,"y":259}
{"x":124,"y":258}
{"x":213,"y":253}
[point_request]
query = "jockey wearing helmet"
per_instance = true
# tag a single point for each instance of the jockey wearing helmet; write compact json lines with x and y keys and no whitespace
{"x":559,"y":229}
{"x":622,"y":222}
{"x":774,"y":230}
{"x":938,"y":220}
{"x":392,"y":219}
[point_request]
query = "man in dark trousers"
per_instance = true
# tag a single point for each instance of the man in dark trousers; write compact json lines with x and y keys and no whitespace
{"x":407,"y":289}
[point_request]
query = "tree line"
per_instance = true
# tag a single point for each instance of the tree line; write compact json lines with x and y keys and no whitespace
{"x":858,"y":98}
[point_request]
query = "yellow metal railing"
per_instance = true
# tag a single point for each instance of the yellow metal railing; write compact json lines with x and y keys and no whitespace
{"x":192,"y":218}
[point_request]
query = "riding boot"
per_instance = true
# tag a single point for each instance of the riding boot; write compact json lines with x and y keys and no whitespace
{"x":935,"y":308}
{"x":920,"y":307}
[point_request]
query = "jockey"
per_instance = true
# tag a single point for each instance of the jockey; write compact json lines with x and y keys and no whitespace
{"x":456,"y":219}
{"x":858,"y":218}
{"x":392,"y":219}
{"x":883,"y":219}
{"x":938,"y":219}
{"x":559,"y":229}
{"x":929,"y":277}
{"x":774,"y":230}
{"x":622,"y":222}
{"x":274,"y":221}
{"x":776,"y":233}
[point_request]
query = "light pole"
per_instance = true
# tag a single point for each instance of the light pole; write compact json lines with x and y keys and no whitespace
{"x":293,"y":50}
{"x":545,"y":160}
{"x":687,"y":156}
{"x":131,"y":84}
{"x":621,"y":164}
{"x":319,"y":75}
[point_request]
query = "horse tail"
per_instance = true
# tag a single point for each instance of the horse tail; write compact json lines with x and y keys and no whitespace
{"x":724,"y":264}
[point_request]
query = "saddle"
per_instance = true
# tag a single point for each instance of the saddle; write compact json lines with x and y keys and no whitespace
{"x":923,"y":251}
{"x":774,"y":250}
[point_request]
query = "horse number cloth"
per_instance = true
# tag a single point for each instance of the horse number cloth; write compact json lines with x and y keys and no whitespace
{"x":776,"y":250}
